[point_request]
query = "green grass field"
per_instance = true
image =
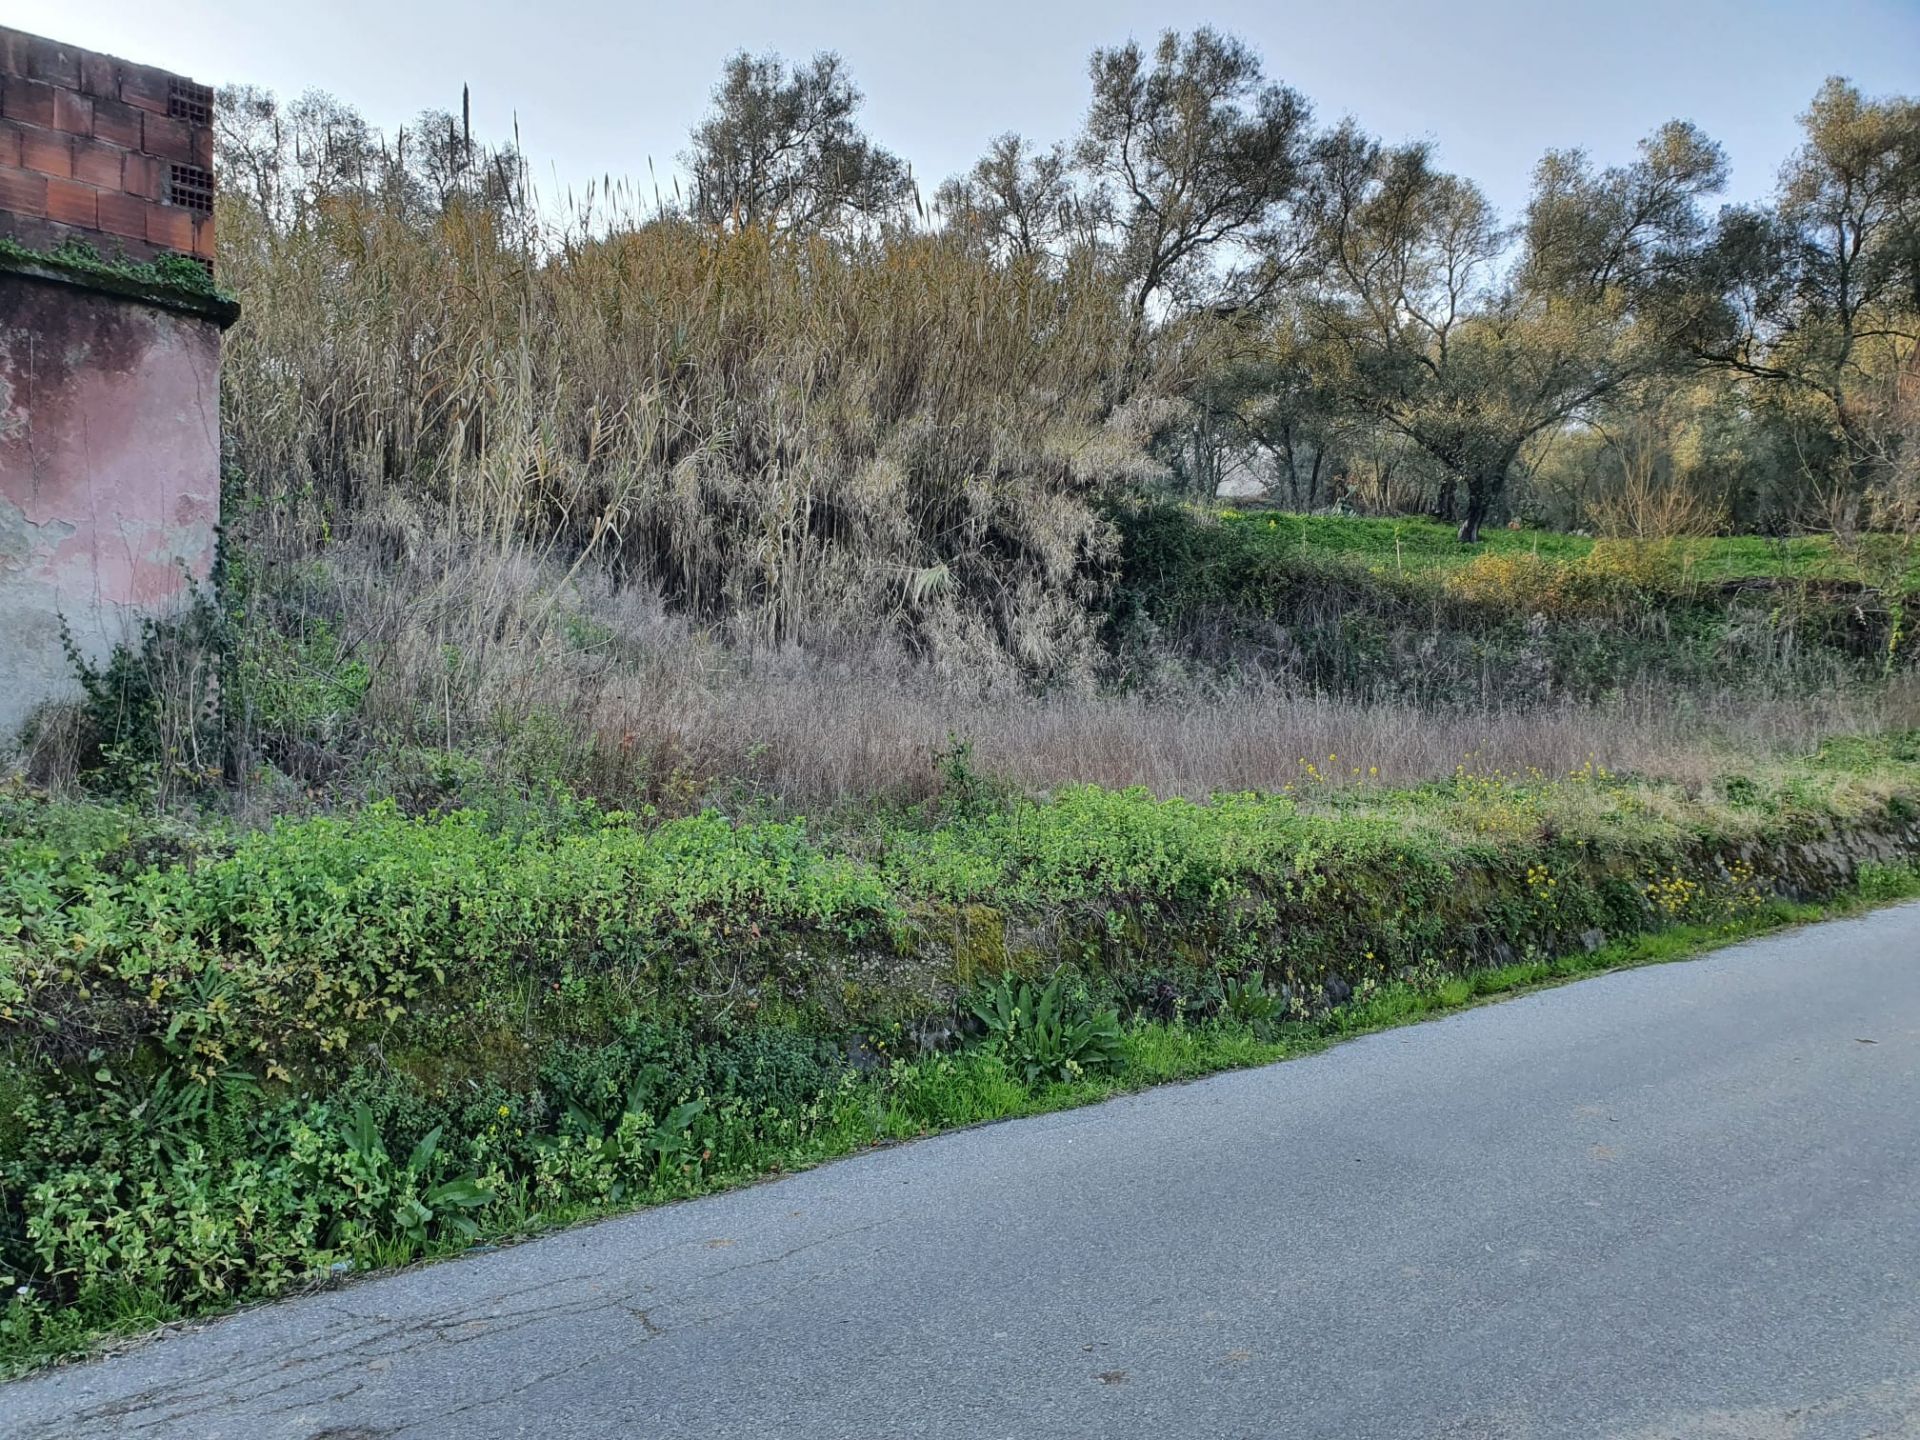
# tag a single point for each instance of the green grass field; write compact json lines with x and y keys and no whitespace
{"x":1415,"y":545}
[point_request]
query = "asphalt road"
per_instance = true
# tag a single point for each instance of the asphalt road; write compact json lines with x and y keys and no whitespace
{"x":1674,"y":1202}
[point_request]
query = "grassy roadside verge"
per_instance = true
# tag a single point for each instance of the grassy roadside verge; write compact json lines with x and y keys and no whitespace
{"x":916,"y":1099}
{"x":239,"y":1064}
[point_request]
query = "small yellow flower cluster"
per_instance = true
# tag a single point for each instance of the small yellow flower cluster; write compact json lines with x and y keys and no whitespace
{"x":1673,"y":895}
{"x":1311,"y":774}
{"x":1500,"y":801}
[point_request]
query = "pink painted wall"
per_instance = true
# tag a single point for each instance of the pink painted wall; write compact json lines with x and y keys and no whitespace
{"x":109,"y":475}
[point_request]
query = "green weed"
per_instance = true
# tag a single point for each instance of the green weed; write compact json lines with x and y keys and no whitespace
{"x":583,"y":1014}
{"x":1047,"y":1031}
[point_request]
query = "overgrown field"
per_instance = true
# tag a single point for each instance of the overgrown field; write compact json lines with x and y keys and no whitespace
{"x":241,"y":1061}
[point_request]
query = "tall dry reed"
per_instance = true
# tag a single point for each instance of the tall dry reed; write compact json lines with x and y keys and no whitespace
{"x":795,"y":439}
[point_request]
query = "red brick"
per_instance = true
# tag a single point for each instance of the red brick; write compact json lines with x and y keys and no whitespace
{"x":28,"y":101}
{"x":168,"y":138}
{"x":124,"y":215}
{"x":144,"y":88}
{"x":9,"y":143}
{"x":72,"y":203}
{"x":99,"y":165}
{"x":53,"y":62}
{"x":116,"y":121}
{"x":141,"y":175}
{"x":203,"y":146}
{"x":170,"y":227}
{"x":99,"y":75}
{"x":24,"y":192}
{"x":46,"y":151}
{"x":72,"y":112}
{"x":203,"y":238}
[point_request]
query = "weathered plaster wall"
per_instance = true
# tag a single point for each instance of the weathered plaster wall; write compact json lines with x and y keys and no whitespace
{"x":109,"y":475}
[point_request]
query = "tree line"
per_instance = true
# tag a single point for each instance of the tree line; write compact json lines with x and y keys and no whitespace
{"x":1351,"y":324}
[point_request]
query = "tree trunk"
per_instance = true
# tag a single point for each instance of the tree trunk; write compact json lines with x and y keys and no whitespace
{"x":1206,"y":461}
{"x":1478,"y":503}
{"x":1483,"y":488}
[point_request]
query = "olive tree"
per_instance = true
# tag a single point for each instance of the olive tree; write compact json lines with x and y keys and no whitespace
{"x":1471,"y":340}
{"x":1017,"y":199}
{"x":1195,"y":153}
{"x":781,"y":148}
{"x":1821,"y":288}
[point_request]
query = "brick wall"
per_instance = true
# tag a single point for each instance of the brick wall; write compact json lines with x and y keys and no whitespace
{"x":116,"y":154}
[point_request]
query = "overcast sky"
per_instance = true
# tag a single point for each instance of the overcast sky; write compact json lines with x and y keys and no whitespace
{"x":599,"y":87}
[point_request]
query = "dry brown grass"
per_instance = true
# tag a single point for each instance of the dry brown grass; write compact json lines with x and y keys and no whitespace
{"x":495,"y":653}
{"x":814,"y":739}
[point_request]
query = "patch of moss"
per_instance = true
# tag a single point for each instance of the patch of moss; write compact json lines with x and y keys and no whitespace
{"x":176,"y":279}
{"x":979,"y":944}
